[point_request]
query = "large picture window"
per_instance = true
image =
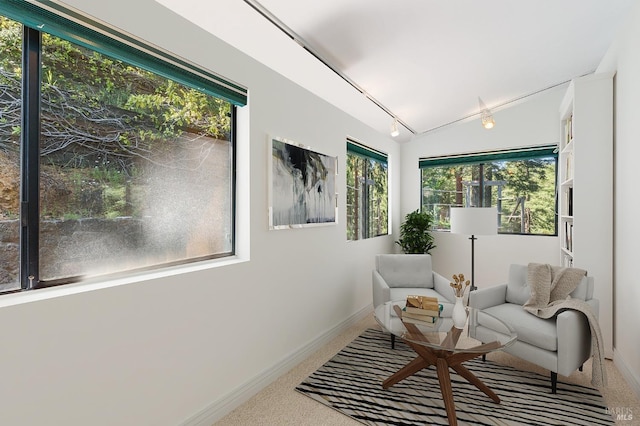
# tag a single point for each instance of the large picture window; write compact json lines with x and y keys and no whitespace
{"x":519,"y":183}
{"x":367,"y":192}
{"x":109,"y":166}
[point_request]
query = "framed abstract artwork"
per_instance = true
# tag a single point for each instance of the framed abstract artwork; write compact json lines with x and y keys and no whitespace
{"x":302,"y":186}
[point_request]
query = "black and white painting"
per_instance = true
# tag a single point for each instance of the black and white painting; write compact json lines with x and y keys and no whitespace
{"x":303,"y":186}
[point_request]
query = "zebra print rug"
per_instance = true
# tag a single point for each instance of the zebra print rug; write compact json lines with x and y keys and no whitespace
{"x":351,"y":383}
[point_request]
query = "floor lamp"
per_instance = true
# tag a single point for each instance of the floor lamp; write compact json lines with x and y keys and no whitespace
{"x":474,"y":221}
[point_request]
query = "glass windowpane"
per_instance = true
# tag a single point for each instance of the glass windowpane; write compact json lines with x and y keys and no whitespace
{"x":136,"y":169}
{"x":367,"y":197}
{"x":10,"y":122}
{"x":522,"y":190}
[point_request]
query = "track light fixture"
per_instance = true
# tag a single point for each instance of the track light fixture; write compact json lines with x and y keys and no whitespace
{"x":485,"y":115}
{"x":487,"y":119}
{"x":394,"y":128}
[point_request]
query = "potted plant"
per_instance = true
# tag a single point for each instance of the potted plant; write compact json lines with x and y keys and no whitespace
{"x":415,"y":233}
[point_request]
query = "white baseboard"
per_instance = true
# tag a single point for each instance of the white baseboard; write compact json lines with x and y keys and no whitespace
{"x":627,"y":373}
{"x":220,"y":408}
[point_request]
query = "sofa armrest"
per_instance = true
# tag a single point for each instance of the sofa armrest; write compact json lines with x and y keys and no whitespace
{"x":441,"y":285}
{"x":381,"y":291}
{"x":488,"y":297}
{"x":595,"y":306}
{"x":574,"y":341}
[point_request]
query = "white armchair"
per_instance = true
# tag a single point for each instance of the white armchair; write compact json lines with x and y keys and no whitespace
{"x":560,"y":344}
{"x":397,"y":276}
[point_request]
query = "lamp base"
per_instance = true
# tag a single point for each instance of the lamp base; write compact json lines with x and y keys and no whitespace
{"x":473,"y":282}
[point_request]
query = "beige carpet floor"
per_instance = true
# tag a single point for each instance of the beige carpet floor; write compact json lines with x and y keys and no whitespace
{"x":279,"y":404}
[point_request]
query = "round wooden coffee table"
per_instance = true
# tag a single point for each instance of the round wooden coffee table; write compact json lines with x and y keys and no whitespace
{"x":440,"y":344}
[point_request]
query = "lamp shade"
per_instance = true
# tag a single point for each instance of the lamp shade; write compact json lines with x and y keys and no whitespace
{"x":474,"y":220}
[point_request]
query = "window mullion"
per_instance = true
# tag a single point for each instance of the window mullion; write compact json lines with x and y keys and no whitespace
{"x":30,"y":158}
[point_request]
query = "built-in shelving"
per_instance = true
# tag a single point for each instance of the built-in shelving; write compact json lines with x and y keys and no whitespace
{"x":566,"y":161}
{"x":585,"y":189}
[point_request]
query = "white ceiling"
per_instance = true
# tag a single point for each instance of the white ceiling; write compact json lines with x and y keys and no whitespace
{"x":424,"y":61}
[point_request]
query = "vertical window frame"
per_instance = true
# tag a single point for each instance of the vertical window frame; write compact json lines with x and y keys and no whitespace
{"x":355,"y":148}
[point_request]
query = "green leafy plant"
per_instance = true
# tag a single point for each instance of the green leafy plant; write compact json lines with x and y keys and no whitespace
{"x":415,"y":233}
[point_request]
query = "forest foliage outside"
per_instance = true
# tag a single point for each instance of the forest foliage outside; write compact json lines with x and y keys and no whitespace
{"x":522,"y":190}
{"x":136,"y":169}
{"x":367,"y":198}
{"x":103,"y":123}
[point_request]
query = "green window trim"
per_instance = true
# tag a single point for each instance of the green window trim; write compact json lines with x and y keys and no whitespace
{"x":56,"y":19}
{"x":487,"y":156}
{"x":356,"y":148}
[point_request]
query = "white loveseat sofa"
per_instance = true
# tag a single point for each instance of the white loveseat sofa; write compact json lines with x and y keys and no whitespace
{"x":560,"y":344}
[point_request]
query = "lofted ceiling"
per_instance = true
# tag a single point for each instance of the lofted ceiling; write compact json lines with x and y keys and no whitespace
{"x":425,"y":62}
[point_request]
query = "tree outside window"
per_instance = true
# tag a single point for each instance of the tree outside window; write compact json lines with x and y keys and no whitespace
{"x":135,"y":169}
{"x":520,"y":184}
{"x":367,"y":192}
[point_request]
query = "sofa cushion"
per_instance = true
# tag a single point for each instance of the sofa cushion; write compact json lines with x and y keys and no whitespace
{"x":518,"y":290}
{"x":536,"y":331}
{"x":405,"y":270}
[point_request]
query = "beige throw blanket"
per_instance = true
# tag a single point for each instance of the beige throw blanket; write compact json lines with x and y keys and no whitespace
{"x":550,"y":289}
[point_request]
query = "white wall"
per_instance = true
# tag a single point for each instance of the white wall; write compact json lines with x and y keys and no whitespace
{"x":624,"y":58}
{"x":533,"y":121}
{"x":158,"y":350}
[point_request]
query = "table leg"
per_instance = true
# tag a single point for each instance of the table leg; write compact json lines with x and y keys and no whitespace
{"x":447,"y":392}
{"x":442,"y":359}
{"x":408,"y":370}
{"x":426,"y":357}
{"x":471,"y":378}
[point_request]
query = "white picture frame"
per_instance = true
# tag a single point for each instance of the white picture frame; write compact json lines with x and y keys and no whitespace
{"x":301,"y":186}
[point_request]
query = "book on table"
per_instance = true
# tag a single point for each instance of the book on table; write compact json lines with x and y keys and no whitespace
{"x":420,"y":322}
{"x":421,"y":301}
{"x":434,"y":311}
{"x":422,"y":317}
{"x":423,"y":305}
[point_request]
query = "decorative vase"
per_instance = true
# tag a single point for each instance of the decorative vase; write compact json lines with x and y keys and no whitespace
{"x":459,"y":314}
